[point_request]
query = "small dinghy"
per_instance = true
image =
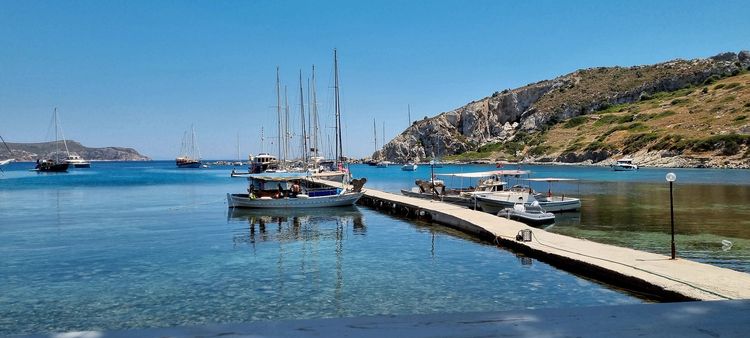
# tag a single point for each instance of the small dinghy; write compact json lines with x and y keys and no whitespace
{"x":531,"y":214}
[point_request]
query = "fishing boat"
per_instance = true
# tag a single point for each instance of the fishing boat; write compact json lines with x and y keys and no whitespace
{"x":77,"y":161}
{"x":461,"y":194}
{"x":532,"y":214}
{"x":189,"y":152}
{"x":383,"y":164}
{"x":549,"y":201}
{"x":624,"y":164}
{"x":54,"y":164}
{"x":293,"y":190}
{"x":497,"y":201}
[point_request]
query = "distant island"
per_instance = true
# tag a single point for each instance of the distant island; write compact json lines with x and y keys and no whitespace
{"x":24,"y":152}
{"x":680,"y":113}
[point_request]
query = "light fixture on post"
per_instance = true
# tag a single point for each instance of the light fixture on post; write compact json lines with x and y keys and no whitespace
{"x":671,"y":177}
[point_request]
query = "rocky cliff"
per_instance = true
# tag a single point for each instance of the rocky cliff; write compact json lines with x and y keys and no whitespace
{"x":34,"y":151}
{"x":532,"y":109}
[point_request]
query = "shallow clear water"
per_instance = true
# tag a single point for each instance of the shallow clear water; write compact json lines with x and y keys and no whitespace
{"x":126,"y":245}
{"x":631,"y":209}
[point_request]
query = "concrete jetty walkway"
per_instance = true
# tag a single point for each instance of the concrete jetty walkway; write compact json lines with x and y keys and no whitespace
{"x":651,"y":274}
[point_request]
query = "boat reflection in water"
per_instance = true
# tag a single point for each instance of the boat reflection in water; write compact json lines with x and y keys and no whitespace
{"x":290,"y":225}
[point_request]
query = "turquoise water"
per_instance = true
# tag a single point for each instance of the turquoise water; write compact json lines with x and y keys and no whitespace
{"x":130,"y":245}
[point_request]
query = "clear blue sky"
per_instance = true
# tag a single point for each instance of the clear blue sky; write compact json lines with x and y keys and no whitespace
{"x":139,"y":73}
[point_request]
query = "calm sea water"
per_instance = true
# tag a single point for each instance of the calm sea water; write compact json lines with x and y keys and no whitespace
{"x":129,"y":245}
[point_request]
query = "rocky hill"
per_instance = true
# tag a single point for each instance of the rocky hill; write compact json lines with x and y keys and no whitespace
{"x":568,"y":119}
{"x":34,"y":151}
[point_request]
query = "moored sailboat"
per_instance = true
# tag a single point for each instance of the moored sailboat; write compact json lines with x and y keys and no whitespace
{"x":54,"y":164}
{"x":189,"y":152}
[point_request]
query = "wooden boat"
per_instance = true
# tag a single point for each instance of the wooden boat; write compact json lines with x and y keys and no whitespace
{"x":189,"y":152}
{"x":292,"y":190}
{"x":54,"y":165}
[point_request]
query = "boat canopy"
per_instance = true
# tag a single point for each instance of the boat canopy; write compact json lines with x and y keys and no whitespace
{"x":551,"y":179}
{"x":278,"y":176}
{"x":479,"y":174}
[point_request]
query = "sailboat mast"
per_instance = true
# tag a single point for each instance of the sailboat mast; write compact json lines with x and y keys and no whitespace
{"x":57,"y":144}
{"x":278,"y":110}
{"x":337,"y":107}
{"x":302,"y":115}
{"x":375,"y":134}
{"x":286,"y":123}
{"x":315,"y":121}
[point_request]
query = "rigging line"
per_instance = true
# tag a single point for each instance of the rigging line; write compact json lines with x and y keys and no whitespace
{"x":623,"y":264}
{"x":6,"y":146}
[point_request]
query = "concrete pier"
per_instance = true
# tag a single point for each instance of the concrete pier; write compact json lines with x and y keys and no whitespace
{"x":653,"y":275}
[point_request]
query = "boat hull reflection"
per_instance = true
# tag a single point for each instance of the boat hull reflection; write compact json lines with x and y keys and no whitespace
{"x":289,"y":225}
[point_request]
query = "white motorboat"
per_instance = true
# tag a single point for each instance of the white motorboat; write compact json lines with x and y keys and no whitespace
{"x":292,"y":190}
{"x":553,"y":203}
{"x":624,"y":164}
{"x":409,"y":167}
{"x":77,"y":162}
{"x":532,"y":214}
{"x":496,"y":201}
{"x":463,"y":193}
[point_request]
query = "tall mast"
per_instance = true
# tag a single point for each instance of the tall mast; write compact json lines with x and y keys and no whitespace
{"x":278,"y":110}
{"x":337,"y":107}
{"x":375,"y":134}
{"x":302,"y":115}
{"x":315,"y":121}
{"x":262,"y":140}
{"x":57,"y":144}
{"x":383,"y":134}
{"x":286,"y":123}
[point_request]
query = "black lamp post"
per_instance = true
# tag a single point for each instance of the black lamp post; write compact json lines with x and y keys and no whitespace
{"x":671,"y":177}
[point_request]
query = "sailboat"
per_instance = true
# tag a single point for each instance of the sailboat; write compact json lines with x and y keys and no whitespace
{"x":190,"y":156}
{"x":54,"y":164}
{"x":286,"y":190}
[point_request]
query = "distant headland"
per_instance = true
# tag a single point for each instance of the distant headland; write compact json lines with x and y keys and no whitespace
{"x":24,"y":152}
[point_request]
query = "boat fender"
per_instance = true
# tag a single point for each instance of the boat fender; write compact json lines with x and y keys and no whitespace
{"x":302,"y":196}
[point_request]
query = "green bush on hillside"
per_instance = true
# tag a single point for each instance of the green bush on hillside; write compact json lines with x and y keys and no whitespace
{"x":711,"y":79}
{"x":575,"y":122}
{"x":637,"y":142}
{"x":729,"y":144}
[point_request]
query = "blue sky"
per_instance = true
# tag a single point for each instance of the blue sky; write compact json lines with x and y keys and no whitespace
{"x":139,"y":73}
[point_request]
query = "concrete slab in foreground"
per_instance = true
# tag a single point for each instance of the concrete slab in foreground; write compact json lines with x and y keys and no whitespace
{"x":686,"y":319}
